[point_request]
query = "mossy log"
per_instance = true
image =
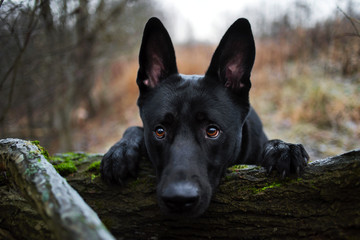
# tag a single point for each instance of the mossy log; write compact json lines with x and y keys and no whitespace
{"x":323,"y":204}
{"x":59,"y":205}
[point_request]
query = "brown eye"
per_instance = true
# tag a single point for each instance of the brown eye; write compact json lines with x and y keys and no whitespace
{"x":212,"y":132}
{"x":159,"y":132}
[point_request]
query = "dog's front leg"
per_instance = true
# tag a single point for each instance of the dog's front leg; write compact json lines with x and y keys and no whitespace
{"x":286,"y":158}
{"x":123,"y":158}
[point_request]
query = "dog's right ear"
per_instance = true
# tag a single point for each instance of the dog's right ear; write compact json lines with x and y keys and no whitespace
{"x":234,"y":57}
{"x":157,"y":56}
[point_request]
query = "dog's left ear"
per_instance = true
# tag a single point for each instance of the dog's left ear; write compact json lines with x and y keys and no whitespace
{"x":157,"y":56}
{"x":234,"y":57}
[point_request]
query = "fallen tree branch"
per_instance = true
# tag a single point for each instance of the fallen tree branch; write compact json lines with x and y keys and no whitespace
{"x":323,"y":204}
{"x":60,"y":206}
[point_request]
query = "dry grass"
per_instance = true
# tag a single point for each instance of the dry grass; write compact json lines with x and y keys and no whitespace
{"x":194,"y":59}
{"x":300,"y":101}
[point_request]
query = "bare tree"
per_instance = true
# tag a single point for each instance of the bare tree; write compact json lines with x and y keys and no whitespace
{"x":50,"y":57}
{"x":21,"y":42}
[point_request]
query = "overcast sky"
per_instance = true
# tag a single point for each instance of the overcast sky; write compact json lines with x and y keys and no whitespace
{"x":207,"y":20}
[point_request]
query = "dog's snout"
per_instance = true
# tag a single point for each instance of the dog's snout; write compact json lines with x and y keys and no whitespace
{"x":179,"y":197}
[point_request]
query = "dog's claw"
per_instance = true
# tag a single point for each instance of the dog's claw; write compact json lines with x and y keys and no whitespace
{"x":286,"y":158}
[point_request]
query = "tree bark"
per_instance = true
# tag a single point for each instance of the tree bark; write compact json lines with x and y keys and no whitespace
{"x":59,"y":205}
{"x":323,"y":204}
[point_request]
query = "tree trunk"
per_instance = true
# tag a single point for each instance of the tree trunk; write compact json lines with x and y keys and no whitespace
{"x":323,"y":204}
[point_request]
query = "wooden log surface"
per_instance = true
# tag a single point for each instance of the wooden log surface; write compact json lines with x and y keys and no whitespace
{"x":324,"y":203}
{"x":60,"y":206}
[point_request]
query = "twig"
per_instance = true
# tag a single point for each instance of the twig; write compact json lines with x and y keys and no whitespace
{"x":352,"y":21}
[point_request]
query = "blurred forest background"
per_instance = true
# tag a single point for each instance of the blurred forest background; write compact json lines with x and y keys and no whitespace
{"x":68,"y":69}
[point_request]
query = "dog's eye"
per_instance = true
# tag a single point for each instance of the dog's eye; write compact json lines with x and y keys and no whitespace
{"x":212,"y":132}
{"x":159,"y":132}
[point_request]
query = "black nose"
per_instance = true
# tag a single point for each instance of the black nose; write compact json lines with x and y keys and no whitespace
{"x":181,"y":196}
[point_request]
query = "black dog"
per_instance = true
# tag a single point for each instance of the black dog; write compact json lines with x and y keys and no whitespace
{"x":195,"y":127}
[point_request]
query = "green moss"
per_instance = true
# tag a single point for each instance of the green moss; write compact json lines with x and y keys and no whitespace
{"x":43,"y":151}
{"x":271,"y":185}
{"x":93,"y":176}
{"x":71,"y":162}
{"x":70,"y":156}
{"x":237,"y":168}
{"x":67,"y":163}
{"x":65,"y":168}
{"x":277,"y":184}
{"x":94,"y":167}
{"x":56,"y":160}
{"x":35,"y":142}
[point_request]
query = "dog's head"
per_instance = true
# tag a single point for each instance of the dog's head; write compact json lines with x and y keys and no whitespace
{"x":193,"y":124}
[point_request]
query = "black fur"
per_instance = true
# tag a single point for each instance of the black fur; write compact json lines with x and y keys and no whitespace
{"x":195,"y":127}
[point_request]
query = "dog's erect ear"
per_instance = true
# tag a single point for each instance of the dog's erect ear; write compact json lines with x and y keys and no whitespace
{"x":234,"y":57}
{"x":157,"y":56}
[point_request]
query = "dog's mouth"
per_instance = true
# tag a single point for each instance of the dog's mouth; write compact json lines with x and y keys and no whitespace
{"x":183,"y":199}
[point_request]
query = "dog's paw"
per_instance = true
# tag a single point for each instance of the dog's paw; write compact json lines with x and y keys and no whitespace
{"x":122,"y":160}
{"x":285,"y":158}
